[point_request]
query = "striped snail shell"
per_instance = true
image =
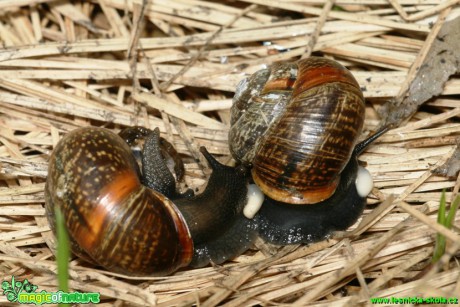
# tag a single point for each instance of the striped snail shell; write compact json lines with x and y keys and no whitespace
{"x":116,"y":219}
{"x":297,"y":124}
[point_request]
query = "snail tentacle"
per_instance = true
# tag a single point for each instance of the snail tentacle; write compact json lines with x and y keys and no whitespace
{"x":361,"y":146}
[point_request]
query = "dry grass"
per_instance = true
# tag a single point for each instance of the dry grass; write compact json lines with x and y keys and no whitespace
{"x":67,"y":64}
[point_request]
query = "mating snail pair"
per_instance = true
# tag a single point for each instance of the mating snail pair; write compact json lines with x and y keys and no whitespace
{"x":294,"y":129}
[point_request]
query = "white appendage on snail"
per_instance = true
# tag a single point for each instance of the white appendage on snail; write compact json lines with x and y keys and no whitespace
{"x":364,"y":182}
{"x":255,"y":200}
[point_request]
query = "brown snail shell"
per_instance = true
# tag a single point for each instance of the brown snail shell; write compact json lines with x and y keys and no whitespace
{"x":297,"y":124}
{"x":93,"y":179}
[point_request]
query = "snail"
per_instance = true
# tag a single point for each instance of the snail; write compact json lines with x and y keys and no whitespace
{"x":296,"y":124}
{"x":116,"y":220}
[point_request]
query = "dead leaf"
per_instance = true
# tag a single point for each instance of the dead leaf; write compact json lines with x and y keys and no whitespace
{"x":442,"y":61}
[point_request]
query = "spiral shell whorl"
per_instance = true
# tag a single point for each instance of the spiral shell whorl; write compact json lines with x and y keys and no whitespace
{"x":93,"y":179}
{"x":257,"y":102}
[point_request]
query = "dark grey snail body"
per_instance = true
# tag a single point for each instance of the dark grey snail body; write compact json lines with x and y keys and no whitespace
{"x":297,"y":124}
{"x":119,"y":223}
